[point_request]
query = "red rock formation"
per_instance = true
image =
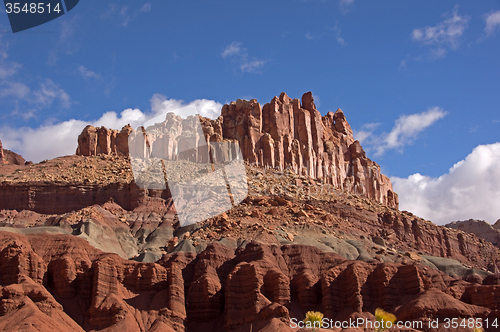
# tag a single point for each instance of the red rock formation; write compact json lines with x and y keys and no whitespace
{"x":60,"y":282}
{"x":2,"y":157}
{"x":93,"y":141}
{"x":284,"y":133}
{"x":479,"y":227}
{"x":57,"y":198}
{"x":13,"y":158}
{"x":9,"y":157}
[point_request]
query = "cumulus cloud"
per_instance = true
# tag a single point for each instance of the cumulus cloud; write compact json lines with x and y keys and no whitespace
{"x":160,"y":106}
{"x":443,"y":36}
{"x":471,"y":189}
{"x":406,"y":129}
{"x":492,"y":22}
{"x":239,"y":56}
{"x":59,"y":139}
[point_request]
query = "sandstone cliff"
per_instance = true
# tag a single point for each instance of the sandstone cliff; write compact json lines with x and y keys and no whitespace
{"x":285,"y":133}
{"x":481,"y":228}
{"x":68,"y":185}
{"x":9,"y":157}
{"x":59,"y":283}
{"x":2,"y":157}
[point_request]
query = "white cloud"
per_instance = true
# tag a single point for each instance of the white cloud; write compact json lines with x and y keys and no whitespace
{"x":48,"y":92}
{"x":407,"y":127}
{"x":15,"y":90}
{"x":337,"y":31}
{"x":146,"y":7}
{"x":88,"y":74}
{"x":346,"y":6}
{"x":251,"y":65}
{"x":7,"y":68}
{"x":365,"y":132}
{"x":160,"y":106}
{"x":404,"y":132}
{"x":310,"y":36}
{"x":239,"y":56}
{"x":232,"y":49}
{"x":53,"y":140}
{"x":21,"y":95}
{"x":67,"y":29}
{"x":471,"y":189}
{"x":403,"y":65}
{"x":445,"y":35}
{"x":336,"y":34}
{"x":492,"y":22}
{"x":27,"y":102}
{"x":123,"y":13}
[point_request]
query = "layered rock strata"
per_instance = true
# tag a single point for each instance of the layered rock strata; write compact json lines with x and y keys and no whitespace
{"x":59,"y":282}
{"x":285,"y":133}
{"x":481,"y":228}
{"x":306,"y":213}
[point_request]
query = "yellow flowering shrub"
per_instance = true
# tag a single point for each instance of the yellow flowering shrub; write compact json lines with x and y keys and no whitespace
{"x":383,"y":317}
{"x":313,"y":320}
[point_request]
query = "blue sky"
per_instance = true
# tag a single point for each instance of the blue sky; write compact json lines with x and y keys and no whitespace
{"x":418,"y":81}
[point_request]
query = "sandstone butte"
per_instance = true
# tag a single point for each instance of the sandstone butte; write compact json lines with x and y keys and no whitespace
{"x":284,"y":133}
{"x":82,"y":248}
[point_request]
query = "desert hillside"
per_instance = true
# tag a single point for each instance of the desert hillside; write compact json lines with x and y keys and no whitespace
{"x":85,"y":247}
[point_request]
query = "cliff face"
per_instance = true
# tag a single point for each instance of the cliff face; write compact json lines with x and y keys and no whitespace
{"x":9,"y":157}
{"x":57,"y":282}
{"x":2,"y":157}
{"x":285,"y":133}
{"x":479,"y":227}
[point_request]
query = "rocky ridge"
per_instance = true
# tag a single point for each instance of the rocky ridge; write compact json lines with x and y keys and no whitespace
{"x":282,"y":208}
{"x":285,"y":133}
{"x":9,"y":157}
{"x":57,"y":281}
{"x":480,"y":228}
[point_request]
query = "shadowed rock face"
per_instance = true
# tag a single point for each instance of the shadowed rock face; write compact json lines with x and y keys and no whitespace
{"x":285,"y":133}
{"x":61,"y":282}
{"x":2,"y":158}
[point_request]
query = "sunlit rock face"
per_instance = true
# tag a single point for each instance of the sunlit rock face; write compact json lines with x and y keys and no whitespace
{"x":283,"y":134}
